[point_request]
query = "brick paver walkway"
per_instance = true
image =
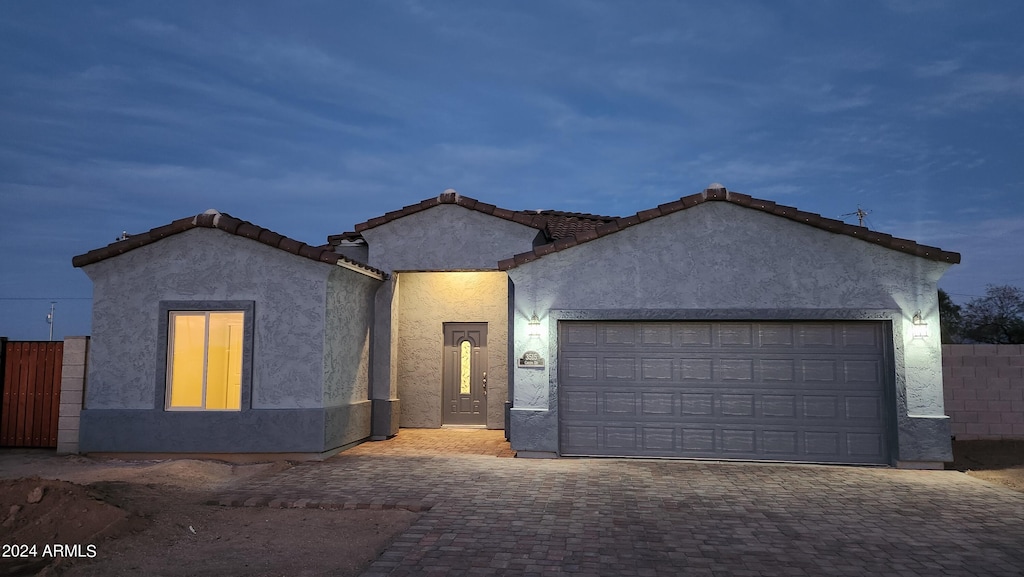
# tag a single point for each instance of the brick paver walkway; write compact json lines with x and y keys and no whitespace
{"x":484,"y":515}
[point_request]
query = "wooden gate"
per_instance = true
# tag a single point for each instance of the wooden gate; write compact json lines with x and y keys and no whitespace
{"x":30,"y":387}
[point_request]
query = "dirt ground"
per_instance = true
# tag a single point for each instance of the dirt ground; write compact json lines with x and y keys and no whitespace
{"x":149,"y":518}
{"x":998,"y":462}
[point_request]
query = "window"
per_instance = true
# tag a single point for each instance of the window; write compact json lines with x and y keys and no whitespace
{"x":204,"y":360}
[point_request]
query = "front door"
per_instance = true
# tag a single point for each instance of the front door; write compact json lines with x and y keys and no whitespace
{"x":465,"y":374}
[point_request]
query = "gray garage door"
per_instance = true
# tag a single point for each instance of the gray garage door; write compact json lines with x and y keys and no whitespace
{"x":789,"y":391}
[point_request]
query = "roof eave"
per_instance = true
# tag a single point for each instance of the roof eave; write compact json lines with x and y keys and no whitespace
{"x":721,"y":194}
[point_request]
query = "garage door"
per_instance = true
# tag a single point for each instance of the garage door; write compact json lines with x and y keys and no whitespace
{"x":795,"y":391}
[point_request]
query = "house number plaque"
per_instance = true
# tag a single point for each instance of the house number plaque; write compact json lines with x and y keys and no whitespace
{"x":531,"y":359}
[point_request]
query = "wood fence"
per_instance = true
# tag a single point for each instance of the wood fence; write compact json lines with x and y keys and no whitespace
{"x":30,"y":373}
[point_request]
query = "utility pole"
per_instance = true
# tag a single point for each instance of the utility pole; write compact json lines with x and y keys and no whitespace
{"x":860,"y":214}
{"x":49,"y":318}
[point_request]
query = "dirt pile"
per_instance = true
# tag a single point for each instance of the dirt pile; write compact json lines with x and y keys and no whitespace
{"x":151,"y":518}
{"x":44,"y":521}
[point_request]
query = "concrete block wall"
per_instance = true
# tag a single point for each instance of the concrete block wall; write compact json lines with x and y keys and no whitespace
{"x":72,"y":391}
{"x":983,"y":387}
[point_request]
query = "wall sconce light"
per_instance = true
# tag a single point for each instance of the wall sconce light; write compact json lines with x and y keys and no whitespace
{"x":920,"y":328}
{"x":534,"y":330}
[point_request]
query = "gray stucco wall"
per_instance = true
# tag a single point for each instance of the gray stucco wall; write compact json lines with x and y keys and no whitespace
{"x":290,"y":353}
{"x":446,"y":237}
{"x":349,"y":320}
{"x":384,"y":366}
{"x":427,"y":301}
{"x":722,"y":261}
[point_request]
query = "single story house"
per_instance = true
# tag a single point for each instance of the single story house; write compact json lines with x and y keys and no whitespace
{"x":715,"y":326}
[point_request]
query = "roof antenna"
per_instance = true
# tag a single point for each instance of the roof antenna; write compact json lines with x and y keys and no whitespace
{"x":49,"y":318}
{"x":860,"y":213}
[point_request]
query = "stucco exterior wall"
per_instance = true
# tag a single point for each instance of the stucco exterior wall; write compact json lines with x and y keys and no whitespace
{"x":349,"y":320}
{"x":290,"y":356}
{"x":446,"y":237}
{"x":722,"y":261}
{"x":427,"y":301}
{"x":383,"y":381}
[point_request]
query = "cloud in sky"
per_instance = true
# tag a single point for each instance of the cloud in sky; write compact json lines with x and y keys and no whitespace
{"x":123,"y":116}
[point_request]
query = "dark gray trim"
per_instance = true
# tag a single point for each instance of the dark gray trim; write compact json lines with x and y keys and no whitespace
{"x":386,"y":413}
{"x":248,"y":309}
{"x":892,"y":397}
{"x":510,"y":343}
{"x":255,"y":431}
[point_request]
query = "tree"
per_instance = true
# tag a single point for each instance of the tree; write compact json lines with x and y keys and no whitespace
{"x":997,"y":317}
{"x":950,"y":323}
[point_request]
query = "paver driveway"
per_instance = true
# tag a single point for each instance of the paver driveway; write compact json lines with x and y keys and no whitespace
{"x":486,"y":515}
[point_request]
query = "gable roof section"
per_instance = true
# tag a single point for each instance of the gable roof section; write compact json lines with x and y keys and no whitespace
{"x":553,"y":223}
{"x":231,"y":225}
{"x":721,"y":194}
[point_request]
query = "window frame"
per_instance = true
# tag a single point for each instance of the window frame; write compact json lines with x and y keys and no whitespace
{"x":162,"y":400}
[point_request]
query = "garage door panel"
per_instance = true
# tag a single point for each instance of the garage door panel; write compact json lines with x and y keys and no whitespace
{"x":697,"y":369}
{"x":581,"y":368}
{"x":782,"y":443}
{"x":864,"y":408}
{"x":778,"y":336}
{"x":820,"y":407}
{"x":777,"y":370}
{"x":696,"y":404}
{"x":658,"y":404}
{"x":656,"y":335}
{"x":736,"y":405}
{"x":865,"y":336}
{"x":778,"y":406}
{"x":862,"y":371}
{"x":618,"y":335}
{"x":818,"y":371}
{"x":731,"y":335}
{"x":738,"y":441}
{"x":816,"y":336}
{"x":725,"y":442}
{"x":656,"y":369}
{"x":659,"y":439}
{"x":868,"y":446}
{"x":695,"y":440}
{"x":580,"y":403}
{"x":819,"y":403}
{"x":618,"y":438}
{"x":577,"y":334}
{"x":583,"y":438}
{"x":694,"y":335}
{"x":620,"y":404}
{"x":734,"y":370}
{"x":619,"y":368}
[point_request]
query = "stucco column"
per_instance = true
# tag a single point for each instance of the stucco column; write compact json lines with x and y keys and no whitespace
{"x":383,"y":371}
{"x":924,"y":429}
{"x":72,"y":391}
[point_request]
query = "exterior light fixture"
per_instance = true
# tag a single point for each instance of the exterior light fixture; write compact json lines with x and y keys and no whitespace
{"x":534,"y":330}
{"x":920,"y":328}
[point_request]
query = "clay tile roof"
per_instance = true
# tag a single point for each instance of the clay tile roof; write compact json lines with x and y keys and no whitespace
{"x":558,"y":224}
{"x":230,"y":225}
{"x":554,"y":224}
{"x":718,"y":193}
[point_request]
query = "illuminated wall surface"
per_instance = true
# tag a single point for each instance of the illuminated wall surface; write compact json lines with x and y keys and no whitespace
{"x":206,"y":360}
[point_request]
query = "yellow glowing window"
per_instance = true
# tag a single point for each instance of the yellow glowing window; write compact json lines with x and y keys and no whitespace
{"x":204,"y":360}
{"x":465,"y":367}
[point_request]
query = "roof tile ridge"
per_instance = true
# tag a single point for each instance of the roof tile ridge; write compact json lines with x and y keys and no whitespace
{"x":225,"y":223}
{"x":570,"y":214}
{"x":836,"y":226}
